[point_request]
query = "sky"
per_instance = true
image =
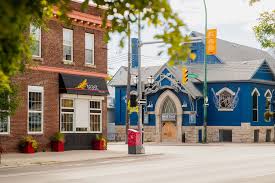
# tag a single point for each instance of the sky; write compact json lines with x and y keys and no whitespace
{"x":233,"y":20}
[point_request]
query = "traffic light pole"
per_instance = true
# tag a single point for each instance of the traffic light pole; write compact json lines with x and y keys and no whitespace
{"x":205,"y":103}
{"x":139,"y":87}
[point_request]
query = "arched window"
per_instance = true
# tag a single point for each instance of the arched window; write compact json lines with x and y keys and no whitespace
{"x":268,"y":97}
{"x":255,"y":94}
{"x":168,"y":106}
{"x":168,"y":110}
{"x":225,"y":98}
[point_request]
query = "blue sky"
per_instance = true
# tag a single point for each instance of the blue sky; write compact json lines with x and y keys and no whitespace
{"x":233,"y":19}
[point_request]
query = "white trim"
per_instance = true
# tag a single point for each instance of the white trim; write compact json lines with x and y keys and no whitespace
{"x":37,"y":56}
{"x":70,"y":96}
{"x":72,"y":46}
{"x":268,"y":91}
{"x":258,"y":94}
{"x":89,"y":98}
{"x":224,"y":109}
{"x":266,"y":99}
{"x":92,"y":49}
{"x":158,"y":111}
{"x":255,"y":90}
{"x":38,"y":89}
{"x":225,"y":89}
{"x":8,"y":132}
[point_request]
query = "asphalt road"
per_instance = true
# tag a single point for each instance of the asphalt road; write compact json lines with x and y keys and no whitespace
{"x":230,"y":163}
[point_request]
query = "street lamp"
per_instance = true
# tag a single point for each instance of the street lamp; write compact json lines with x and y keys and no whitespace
{"x":150,"y":80}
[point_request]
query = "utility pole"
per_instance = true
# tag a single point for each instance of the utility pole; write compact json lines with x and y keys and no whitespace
{"x":127,"y":121}
{"x":205,"y":103}
{"x":139,"y":87}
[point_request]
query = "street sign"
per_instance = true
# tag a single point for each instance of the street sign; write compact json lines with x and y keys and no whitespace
{"x":142,"y":101}
{"x":211,"y":42}
{"x":193,"y":75}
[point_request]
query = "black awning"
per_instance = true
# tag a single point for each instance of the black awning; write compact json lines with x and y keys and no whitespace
{"x":82,"y":85}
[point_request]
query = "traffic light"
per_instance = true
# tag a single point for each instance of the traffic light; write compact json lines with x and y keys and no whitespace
{"x":184,"y":75}
{"x":133,"y":100}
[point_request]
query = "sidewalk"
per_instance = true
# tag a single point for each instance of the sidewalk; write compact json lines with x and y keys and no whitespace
{"x":46,"y":158}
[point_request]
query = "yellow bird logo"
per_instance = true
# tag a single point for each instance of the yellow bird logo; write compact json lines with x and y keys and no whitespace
{"x":82,"y":85}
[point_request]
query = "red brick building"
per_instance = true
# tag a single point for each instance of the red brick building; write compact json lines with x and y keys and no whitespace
{"x":65,"y":89}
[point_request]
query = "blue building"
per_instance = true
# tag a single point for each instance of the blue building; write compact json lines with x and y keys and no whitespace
{"x":240,"y":84}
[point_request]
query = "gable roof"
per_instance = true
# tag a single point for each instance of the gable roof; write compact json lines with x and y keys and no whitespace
{"x":120,"y":77}
{"x":230,"y":71}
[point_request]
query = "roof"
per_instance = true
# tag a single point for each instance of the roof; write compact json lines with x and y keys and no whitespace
{"x":239,"y":63}
{"x":229,"y":71}
{"x":120,"y":77}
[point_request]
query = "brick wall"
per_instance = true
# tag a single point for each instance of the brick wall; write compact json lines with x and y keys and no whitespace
{"x":52,"y":55}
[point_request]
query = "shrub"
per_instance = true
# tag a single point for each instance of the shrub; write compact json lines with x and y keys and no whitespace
{"x":28,"y":140}
{"x":58,"y":137}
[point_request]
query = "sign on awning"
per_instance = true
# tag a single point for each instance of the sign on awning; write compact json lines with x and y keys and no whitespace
{"x":82,"y":85}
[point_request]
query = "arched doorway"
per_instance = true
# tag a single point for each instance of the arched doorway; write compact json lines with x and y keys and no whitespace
{"x":168,"y":119}
{"x":168,"y":112}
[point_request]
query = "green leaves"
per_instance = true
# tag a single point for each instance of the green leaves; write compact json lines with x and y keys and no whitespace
{"x":265,"y":30}
{"x":157,"y":13}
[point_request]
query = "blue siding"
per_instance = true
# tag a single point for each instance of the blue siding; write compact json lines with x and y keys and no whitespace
{"x":198,"y":49}
{"x":264,"y":73}
{"x":241,"y":114}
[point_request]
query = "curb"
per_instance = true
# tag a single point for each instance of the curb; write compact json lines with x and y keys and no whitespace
{"x":128,"y":156}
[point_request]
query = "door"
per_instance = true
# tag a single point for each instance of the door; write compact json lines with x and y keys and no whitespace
{"x":169,"y":131}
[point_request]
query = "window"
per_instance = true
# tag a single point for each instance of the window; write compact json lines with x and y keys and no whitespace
{"x":4,"y":123}
{"x":68,"y":45}
{"x":89,"y":49}
{"x":36,"y":35}
{"x":67,"y":115}
{"x":225,"y":99}
{"x":80,"y":114}
{"x":255,"y":95}
{"x":35,"y":113}
{"x":95,"y":116}
{"x":268,"y":102}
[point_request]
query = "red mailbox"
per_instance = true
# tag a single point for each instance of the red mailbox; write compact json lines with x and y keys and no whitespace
{"x":133,"y":137}
{"x":134,"y":142}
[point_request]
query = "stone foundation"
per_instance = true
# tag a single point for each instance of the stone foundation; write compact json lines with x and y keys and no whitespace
{"x":149,"y":133}
{"x":240,"y":134}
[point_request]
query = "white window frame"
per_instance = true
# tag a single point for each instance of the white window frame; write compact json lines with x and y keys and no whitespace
{"x":220,"y":92}
{"x":38,"y":56}
{"x":93,"y":49}
{"x":100,"y":114}
{"x":258,"y":94}
{"x":72,"y":45}
{"x":39,"y":89}
{"x":8,"y":132}
{"x":67,"y":113}
{"x":266,"y":99}
{"x":89,"y":98}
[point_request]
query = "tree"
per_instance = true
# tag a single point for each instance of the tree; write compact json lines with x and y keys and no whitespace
{"x":265,"y":30}
{"x":16,"y":16}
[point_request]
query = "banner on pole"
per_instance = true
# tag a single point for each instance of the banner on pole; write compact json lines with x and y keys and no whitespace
{"x":134,"y":60}
{"x":211,"y":42}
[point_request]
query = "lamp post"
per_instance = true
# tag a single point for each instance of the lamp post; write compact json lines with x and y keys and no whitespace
{"x":205,"y":98}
